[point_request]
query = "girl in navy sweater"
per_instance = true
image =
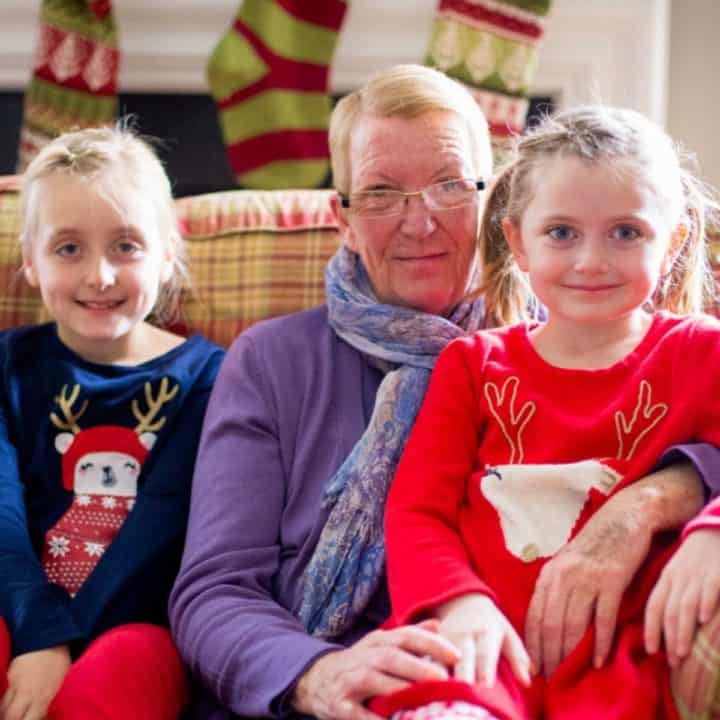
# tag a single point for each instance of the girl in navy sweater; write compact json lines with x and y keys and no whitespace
{"x":100,"y":415}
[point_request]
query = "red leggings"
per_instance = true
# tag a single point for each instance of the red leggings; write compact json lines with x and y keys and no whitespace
{"x":131,"y":671}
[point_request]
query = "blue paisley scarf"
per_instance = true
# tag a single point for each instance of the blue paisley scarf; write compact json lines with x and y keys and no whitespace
{"x":348,"y":564}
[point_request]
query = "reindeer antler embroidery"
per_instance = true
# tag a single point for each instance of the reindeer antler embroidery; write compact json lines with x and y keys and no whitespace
{"x":66,"y":402}
{"x":515,"y":421}
{"x":145,"y":421}
{"x":651,"y":415}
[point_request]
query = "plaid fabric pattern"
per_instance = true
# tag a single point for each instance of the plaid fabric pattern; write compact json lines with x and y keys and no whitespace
{"x":252,"y":255}
{"x":696,"y":681}
{"x":19,"y":303}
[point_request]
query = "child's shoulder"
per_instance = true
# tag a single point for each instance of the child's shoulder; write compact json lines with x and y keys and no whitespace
{"x":193,"y":357}
{"x":33,"y":339}
{"x":695,"y":325}
{"x":493,"y":338}
{"x":690,"y":339}
{"x":479,"y":347}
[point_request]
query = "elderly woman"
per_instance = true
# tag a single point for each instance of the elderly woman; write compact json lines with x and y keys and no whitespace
{"x":282,"y":590}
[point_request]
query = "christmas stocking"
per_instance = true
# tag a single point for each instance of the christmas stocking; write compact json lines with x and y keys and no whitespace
{"x":75,"y":544}
{"x":74,"y":81}
{"x":269,"y":77}
{"x":491,"y":46}
{"x":450,"y":710}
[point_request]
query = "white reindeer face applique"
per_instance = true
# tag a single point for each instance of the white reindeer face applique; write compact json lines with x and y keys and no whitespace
{"x":539,"y":505}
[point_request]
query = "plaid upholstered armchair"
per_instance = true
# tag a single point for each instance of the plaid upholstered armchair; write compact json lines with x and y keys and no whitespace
{"x":257,"y":254}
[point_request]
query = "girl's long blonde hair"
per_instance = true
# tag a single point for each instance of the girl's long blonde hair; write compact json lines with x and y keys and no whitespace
{"x":597,"y":133}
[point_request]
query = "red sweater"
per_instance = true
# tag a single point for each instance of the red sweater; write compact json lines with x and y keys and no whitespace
{"x":510,"y":455}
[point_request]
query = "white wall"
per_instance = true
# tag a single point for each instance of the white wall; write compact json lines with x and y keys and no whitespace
{"x":694,"y":97}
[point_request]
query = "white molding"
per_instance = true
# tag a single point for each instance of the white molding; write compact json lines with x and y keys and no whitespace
{"x":610,"y":50}
{"x":614,"y":51}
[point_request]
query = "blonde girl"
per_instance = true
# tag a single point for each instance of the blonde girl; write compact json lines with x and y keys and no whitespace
{"x":526,"y":431}
{"x":100,"y":415}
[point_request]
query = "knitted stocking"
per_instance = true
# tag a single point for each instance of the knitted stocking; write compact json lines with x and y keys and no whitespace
{"x":269,"y":77}
{"x":451,"y":710}
{"x":74,"y":81}
{"x":491,"y":46}
{"x":75,"y":544}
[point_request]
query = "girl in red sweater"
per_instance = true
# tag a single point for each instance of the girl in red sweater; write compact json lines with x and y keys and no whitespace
{"x":527,"y":430}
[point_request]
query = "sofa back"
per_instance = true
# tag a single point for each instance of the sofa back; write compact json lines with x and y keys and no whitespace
{"x":251,"y":254}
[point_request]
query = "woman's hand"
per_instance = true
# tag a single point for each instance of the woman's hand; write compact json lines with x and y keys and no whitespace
{"x":34,"y":679}
{"x":475,"y":625}
{"x":685,"y":596}
{"x":384,"y":661}
{"x":585,"y":581}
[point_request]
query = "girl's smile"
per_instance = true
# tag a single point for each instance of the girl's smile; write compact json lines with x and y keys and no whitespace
{"x":99,"y":266}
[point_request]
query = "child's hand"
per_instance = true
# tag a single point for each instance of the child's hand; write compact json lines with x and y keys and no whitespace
{"x":34,"y":679}
{"x":482,"y":633}
{"x":686,"y":595}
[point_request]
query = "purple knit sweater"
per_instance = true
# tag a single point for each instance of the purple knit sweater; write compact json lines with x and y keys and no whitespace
{"x":290,"y":402}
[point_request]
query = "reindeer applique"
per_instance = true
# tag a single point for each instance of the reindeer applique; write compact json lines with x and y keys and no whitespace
{"x":101,"y":466}
{"x":538,"y":505}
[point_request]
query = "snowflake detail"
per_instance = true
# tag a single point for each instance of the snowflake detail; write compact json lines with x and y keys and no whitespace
{"x":130,"y":504}
{"x":83,"y":500}
{"x":94,"y":549}
{"x":59,"y":546}
{"x":109,"y":502}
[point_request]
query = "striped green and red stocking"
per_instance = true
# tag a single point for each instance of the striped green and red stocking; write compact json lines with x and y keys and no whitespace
{"x":74,"y":81}
{"x":491,"y":46}
{"x":269,"y":77}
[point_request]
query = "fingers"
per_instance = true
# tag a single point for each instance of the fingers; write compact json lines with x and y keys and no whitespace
{"x":515,"y":653}
{"x":481,"y":653}
{"x":488,"y":644}
{"x":673,"y":611}
{"x":405,"y":666}
{"x":348,"y":710}
{"x":356,"y":710}
{"x":578,"y":616}
{"x":686,"y":621}
{"x":654,"y":616}
{"x":552,"y":631}
{"x":337,"y":684}
{"x":606,"y":614}
{"x":709,"y":598}
{"x":419,"y":641}
{"x":431,"y":624}
{"x":16,"y":708}
{"x":466,"y":668}
{"x":533,"y":623}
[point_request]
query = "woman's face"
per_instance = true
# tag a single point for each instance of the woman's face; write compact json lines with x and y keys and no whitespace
{"x":421,"y":258}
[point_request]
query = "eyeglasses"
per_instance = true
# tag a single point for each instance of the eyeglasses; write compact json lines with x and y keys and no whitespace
{"x":444,"y":195}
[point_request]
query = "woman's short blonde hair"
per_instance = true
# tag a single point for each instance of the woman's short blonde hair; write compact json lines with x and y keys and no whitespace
{"x":115,"y":160}
{"x":406,"y":91}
